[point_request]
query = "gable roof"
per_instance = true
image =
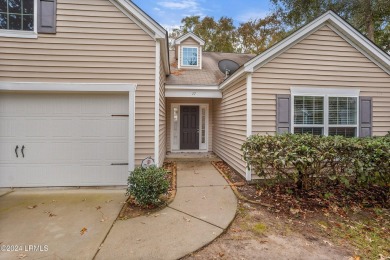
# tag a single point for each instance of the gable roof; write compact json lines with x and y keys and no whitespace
{"x":189,"y":35}
{"x":336,"y":23}
{"x":148,"y":24}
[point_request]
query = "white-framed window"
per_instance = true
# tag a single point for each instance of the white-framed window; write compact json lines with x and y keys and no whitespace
{"x":325,"y":113}
{"x":18,"y":18}
{"x":189,"y":56}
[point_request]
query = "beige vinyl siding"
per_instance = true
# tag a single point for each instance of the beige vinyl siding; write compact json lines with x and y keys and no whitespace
{"x":170,"y":101}
{"x":323,"y":60}
{"x":189,"y":41}
{"x":95,"y":43}
{"x":229,"y":129}
{"x":162,"y":116}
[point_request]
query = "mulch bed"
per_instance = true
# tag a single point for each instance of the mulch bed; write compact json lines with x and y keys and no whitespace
{"x":131,"y":209}
{"x":358,"y":220}
{"x":286,"y":199}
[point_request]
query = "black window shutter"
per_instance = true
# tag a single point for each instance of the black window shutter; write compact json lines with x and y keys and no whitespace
{"x":365,"y":126}
{"x":47,"y":16}
{"x":283,"y":114}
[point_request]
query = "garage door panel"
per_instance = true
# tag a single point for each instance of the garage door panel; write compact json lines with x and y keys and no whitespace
{"x":69,"y":139}
{"x":7,"y":152}
{"x":115,"y":152}
{"x":91,"y":127}
{"x":7,"y":127}
{"x":61,"y":128}
{"x":117,"y":128}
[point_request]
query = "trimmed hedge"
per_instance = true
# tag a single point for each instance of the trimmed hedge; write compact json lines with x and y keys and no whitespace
{"x":299,"y":158}
{"x":147,"y":185}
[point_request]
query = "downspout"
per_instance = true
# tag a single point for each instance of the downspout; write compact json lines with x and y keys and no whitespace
{"x":249,"y":111}
{"x":157,"y":106}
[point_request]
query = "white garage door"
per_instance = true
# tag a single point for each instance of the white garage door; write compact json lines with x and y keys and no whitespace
{"x":67,"y":139}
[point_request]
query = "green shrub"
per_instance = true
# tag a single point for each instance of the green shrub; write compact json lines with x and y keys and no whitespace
{"x":147,"y":185}
{"x":299,"y":158}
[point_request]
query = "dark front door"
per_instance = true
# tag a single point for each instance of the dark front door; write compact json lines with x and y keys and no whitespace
{"x":189,"y":127}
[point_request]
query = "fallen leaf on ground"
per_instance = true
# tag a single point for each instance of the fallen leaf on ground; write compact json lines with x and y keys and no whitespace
{"x":108,"y":201}
{"x":156,"y":215}
{"x":52,"y":215}
{"x":294,"y":211}
{"x":83,"y":199}
{"x":221,"y":254}
{"x":98,"y":207}
{"x":32,"y":207}
{"x":187,"y":219}
{"x":328,"y":243}
{"x":322,"y":226}
{"x":204,"y":197}
{"x":21,"y":256}
{"x":82,"y":232}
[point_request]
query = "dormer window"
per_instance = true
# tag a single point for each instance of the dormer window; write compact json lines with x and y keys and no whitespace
{"x":188,"y":51}
{"x":190,"y":56}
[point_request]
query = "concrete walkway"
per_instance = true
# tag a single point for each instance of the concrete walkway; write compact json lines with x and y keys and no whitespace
{"x":203,"y":208}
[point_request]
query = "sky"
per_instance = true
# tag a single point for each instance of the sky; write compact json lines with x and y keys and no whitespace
{"x":170,"y":12}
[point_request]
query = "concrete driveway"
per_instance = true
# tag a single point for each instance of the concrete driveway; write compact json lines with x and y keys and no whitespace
{"x":48,"y":223}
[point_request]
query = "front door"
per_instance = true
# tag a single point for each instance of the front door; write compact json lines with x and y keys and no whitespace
{"x":189,"y":127}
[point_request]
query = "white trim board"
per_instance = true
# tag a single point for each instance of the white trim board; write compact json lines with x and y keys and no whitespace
{"x":142,"y":17}
{"x":76,"y":87}
{"x":157,"y":107}
{"x":176,"y":147}
{"x":188,"y":35}
{"x":146,"y":23}
{"x":353,"y":92}
{"x":85,"y":87}
{"x":331,"y":19}
{"x":192,"y":91}
{"x":249,"y":111}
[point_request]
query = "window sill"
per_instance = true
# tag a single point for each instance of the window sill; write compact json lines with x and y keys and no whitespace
{"x":18,"y":34}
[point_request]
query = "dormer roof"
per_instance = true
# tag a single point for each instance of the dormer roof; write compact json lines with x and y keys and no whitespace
{"x":189,"y":35}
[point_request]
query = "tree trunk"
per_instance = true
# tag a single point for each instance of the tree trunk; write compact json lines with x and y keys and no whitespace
{"x":369,"y":21}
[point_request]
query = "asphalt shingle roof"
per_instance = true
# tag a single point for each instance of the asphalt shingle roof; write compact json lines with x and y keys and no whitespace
{"x":209,"y":74}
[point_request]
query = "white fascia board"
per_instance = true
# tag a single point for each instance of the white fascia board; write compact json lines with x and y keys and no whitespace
{"x":165,"y":55}
{"x":324,"y":91}
{"x":192,"y":91}
{"x":68,"y":87}
{"x":232,"y":78}
{"x":188,"y":35}
{"x":331,"y":18}
{"x":287,"y":43}
{"x":361,"y":43}
{"x":137,"y":13}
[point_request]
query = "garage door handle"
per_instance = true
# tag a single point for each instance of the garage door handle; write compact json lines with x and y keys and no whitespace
{"x":22,"y":151}
{"x":16,"y":151}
